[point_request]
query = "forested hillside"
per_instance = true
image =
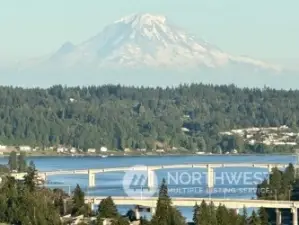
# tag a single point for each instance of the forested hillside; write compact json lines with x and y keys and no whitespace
{"x":120,"y":117}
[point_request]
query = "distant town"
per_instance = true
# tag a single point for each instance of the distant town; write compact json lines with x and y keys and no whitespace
{"x":269,"y":136}
{"x":282,"y":135}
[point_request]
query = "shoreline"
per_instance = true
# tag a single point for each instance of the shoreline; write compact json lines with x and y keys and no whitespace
{"x":146,"y":155}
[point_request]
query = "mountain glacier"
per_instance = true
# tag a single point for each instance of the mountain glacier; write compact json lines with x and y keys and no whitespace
{"x":148,"y":40}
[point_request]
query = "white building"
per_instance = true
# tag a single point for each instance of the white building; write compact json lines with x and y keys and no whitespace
{"x":235,"y":151}
{"x":60,"y":149}
{"x":25,"y":148}
{"x":200,"y":153}
{"x":3,"y":147}
{"x":103,"y":149}
{"x":160,"y":150}
{"x":127,"y":150}
{"x":91,"y":150}
{"x":184,"y":129}
{"x":73,"y":150}
{"x":72,"y":100}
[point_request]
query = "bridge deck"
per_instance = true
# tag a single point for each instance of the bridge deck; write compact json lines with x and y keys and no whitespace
{"x":190,"y":202}
{"x":158,"y":167}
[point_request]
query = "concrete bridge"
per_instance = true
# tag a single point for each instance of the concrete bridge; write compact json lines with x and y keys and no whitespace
{"x":190,"y":202}
{"x":150,"y":170}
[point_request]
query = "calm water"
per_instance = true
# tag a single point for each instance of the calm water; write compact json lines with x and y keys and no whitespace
{"x":111,"y":183}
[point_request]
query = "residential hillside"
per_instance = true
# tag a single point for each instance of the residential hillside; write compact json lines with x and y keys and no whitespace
{"x":187,"y":117}
{"x":266,"y":135}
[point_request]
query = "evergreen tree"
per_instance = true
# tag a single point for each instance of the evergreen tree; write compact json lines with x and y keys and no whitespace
{"x":79,"y":206}
{"x":213,"y":215}
{"x":222,"y":215}
{"x":243,"y":217}
{"x":254,"y":219}
{"x":288,"y":180}
{"x":263,"y":215}
{"x":12,"y":161}
{"x":196,"y":214}
{"x":107,"y":209}
{"x":176,"y":217}
{"x":131,"y":215}
{"x":204,"y":214}
{"x":233,"y":217}
{"x":22,"y":165}
{"x":163,"y":209}
{"x":30,"y":179}
{"x":276,"y":182}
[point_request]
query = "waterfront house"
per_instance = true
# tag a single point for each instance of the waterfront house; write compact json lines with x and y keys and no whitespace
{"x":60,"y":149}
{"x":91,"y":150}
{"x":25,"y":148}
{"x":103,"y":149}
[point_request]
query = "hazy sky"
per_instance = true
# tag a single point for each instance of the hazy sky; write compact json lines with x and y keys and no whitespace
{"x":264,"y":29}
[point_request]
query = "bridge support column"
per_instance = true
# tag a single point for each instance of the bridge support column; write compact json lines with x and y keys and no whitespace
{"x":91,"y":179}
{"x":137,"y":213}
{"x":278,"y":217}
{"x":210,"y":176}
{"x":269,"y":168}
{"x":150,"y":178}
{"x":42,"y":176}
{"x":269,"y":171}
{"x":92,"y":206}
{"x":153,"y":210}
{"x":295,"y":216}
{"x":64,"y":206}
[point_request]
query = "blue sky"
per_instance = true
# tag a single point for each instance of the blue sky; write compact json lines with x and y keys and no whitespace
{"x":264,"y":29}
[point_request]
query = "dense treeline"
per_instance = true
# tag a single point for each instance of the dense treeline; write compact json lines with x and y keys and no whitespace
{"x":282,"y":185}
{"x":167,"y":214}
{"x":24,"y":203}
{"x":120,"y":117}
{"x":17,"y":162}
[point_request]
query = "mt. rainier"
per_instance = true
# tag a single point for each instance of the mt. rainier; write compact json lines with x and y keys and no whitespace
{"x":145,"y":49}
{"x":147,"y":40}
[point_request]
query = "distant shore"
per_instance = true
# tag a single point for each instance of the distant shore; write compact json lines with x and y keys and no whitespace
{"x":136,"y":154}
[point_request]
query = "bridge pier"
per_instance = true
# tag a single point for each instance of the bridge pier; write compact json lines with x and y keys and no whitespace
{"x":91,"y":179}
{"x":295,"y":216}
{"x":150,"y":178}
{"x":153,"y":210}
{"x":269,"y":168}
{"x":42,"y":176}
{"x":137,"y":213}
{"x":92,"y":206}
{"x":210,"y":176}
{"x":269,"y":171}
{"x":278,"y":217}
{"x":236,"y":211}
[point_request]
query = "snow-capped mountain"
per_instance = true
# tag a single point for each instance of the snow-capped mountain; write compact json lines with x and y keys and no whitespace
{"x":147,"y":40}
{"x":148,"y":50}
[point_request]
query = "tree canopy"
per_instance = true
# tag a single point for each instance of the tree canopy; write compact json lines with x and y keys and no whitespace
{"x":128,"y":117}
